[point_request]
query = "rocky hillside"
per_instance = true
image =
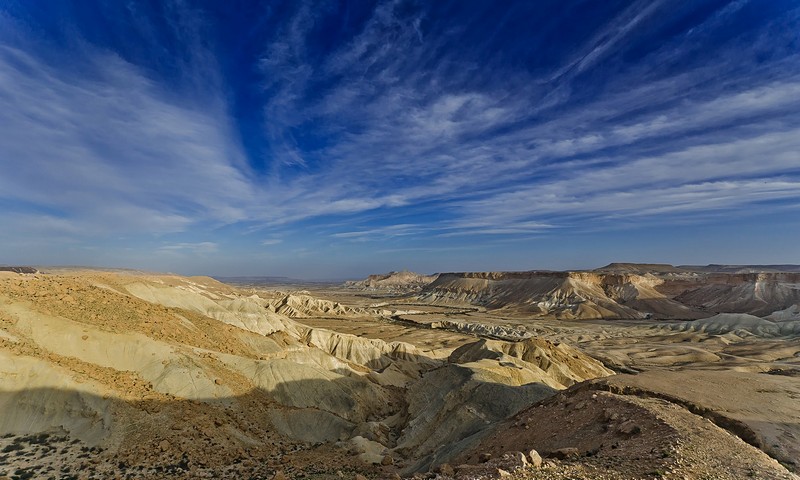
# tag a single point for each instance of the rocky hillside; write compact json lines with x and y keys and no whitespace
{"x":619,"y":291}
{"x":562,"y":295}
{"x":303,"y":305}
{"x":393,"y":282}
{"x":753,"y":293}
{"x":717,"y":268}
{"x":27,"y":270}
{"x":612,"y":432}
{"x":163,"y":376}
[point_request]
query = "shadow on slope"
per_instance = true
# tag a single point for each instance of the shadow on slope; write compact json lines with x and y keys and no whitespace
{"x":254,"y":434}
{"x":248,"y":434}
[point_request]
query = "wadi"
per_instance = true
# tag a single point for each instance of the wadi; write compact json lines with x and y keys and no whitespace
{"x":626,"y":371}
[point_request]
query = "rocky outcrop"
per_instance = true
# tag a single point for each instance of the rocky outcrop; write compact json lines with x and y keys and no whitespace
{"x":303,"y":305}
{"x":742,"y":325}
{"x":717,"y":268}
{"x":562,"y":295}
{"x":393,"y":282}
{"x":615,"y":293}
{"x":21,"y":270}
{"x":558,"y":364}
{"x":757,"y":294}
{"x":499,"y":332}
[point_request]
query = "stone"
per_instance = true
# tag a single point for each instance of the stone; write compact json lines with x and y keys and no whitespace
{"x":279,"y":475}
{"x":464,"y":469}
{"x":164,"y":445}
{"x":514,"y":459}
{"x":629,"y":428}
{"x":484,"y":457}
{"x":446,"y":470}
{"x":360,"y":477}
{"x":502,"y":473}
{"x":387,"y":460}
{"x":536,"y":459}
{"x":610,"y":416}
{"x":565,"y":453}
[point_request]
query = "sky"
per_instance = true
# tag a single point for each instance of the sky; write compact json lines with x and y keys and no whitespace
{"x":334,"y":139}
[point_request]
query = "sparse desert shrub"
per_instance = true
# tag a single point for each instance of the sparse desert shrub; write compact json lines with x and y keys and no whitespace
{"x":13,"y":447}
{"x":38,"y":439}
{"x":22,"y":474}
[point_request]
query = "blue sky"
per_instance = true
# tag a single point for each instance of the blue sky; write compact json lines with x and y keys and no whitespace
{"x":336,"y":139}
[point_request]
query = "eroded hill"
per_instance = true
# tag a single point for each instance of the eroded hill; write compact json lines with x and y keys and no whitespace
{"x":393,"y":282}
{"x":161,"y":376}
{"x":158,"y":376}
{"x":619,"y":291}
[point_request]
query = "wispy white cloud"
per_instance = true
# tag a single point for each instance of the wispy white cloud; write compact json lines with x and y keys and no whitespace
{"x":197,"y":248}
{"x":109,"y":151}
{"x":694,"y":179}
{"x":382,"y":233}
{"x":611,"y":35}
{"x":414,"y":141}
{"x":491,"y":226}
{"x":541,"y":153}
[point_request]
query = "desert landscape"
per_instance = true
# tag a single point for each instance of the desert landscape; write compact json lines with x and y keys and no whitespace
{"x":399,"y":239}
{"x":627,"y":371}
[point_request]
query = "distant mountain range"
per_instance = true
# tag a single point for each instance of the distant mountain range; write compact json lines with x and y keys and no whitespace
{"x":255,"y":281}
{"x":625,"y":291}
{"x":18,"y":269}
{"x":619,"y":267}
{"x":741,"y":268}
{"x":393,"y":282}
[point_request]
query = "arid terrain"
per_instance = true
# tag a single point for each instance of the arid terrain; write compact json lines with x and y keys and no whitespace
{"x":628,"y":371}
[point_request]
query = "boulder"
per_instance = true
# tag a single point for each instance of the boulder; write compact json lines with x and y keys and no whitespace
{"x":446,"y":470}
{"x":565,"y":453}
{"x":536,"y":459}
